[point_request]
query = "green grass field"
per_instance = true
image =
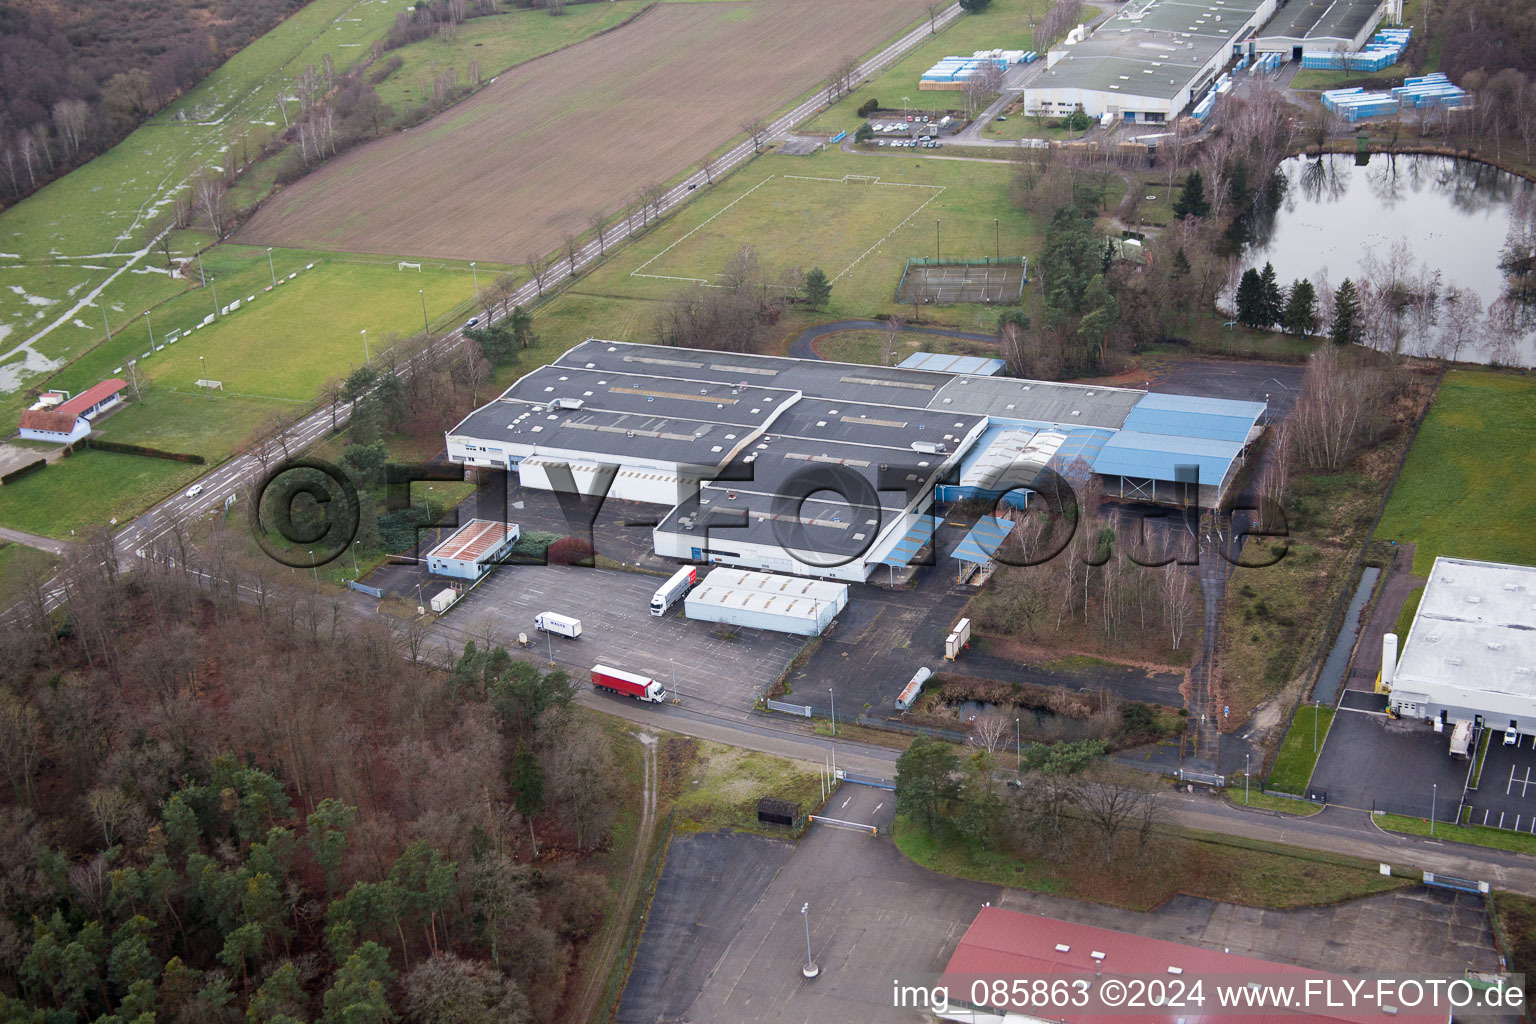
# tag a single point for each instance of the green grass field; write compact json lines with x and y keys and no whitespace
{"x":1473,"y":835}
{"x":496,"y":42}
{"x":80,"y":228}
{"x":88,"y":489}
{"x":802,"y":222}
{"x":17,"y":563}
{"x":973,"y":207}
{"x":1298,"y":753}
{"x":1284,"y":804}
{"x":1004,"y":24}
{"x":1465,"y":488}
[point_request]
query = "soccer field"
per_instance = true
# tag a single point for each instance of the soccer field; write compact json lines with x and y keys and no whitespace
{"x":799,"y":221}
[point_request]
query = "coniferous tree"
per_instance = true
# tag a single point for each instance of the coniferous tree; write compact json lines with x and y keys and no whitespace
{"x":1273,"y":306}
{"x":1250,"y":299}
{"x":1192,"y":201}
{"x":1346,"y":328}
{"x":1301,"y":309}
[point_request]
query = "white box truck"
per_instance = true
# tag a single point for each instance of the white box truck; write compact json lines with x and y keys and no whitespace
{"x":674,"y":590}
{"x":560,"y":625}
{"x":1461,"y":739}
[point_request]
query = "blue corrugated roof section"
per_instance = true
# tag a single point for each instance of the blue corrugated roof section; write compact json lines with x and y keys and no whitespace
{"x":984,"y":539}
{"x":1189,"y":416}
{"x":978,"y":365}
{"x":1082,"y":443}
{"x":912,"y":541}
{"x":1159,"y":456}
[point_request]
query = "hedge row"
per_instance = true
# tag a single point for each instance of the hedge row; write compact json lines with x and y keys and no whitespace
{"x":27,"y":470}
{"x":138,"y":449}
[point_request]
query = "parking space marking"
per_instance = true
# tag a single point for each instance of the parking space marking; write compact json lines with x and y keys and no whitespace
{"x":1525,"y":782}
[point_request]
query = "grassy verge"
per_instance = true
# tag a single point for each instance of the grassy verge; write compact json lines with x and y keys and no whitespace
{"x":87,"y":490}
{"x":1514,"y":919}
{"x":723,"y":784}
{"x":1474,"y":455}
{"x":869,"y":346}
{"x":1482,"y":755}
{"x":1194,"y":863}
{"x":17,"y":564}
{"x":1264,"y":801}
{"x":1298,"y":753}
{"x":1472,"y":835}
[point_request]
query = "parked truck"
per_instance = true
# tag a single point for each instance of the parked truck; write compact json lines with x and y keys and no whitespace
{"x":627,"y":683}
{"x":560,"y":625}
{"x":673,"y":591}
{"x":1461,"y":739}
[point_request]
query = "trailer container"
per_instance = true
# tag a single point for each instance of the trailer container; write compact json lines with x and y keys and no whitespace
{"x":560,"y":625}
{"x":670,"y":592}
{"x":629,"y":684}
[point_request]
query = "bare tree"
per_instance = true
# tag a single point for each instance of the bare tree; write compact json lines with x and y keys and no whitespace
{"x":1463,"y":309}
{"x":933,"y":18}
{"x":1111,"y":804}
{"x":571,"y":247}
{"x":707,"y":165}
{"x":538,"y":269}
{"x":1178,"y":590}
{"x":988,"y":732}
{"x":757,"y":130}
{"x":890,"y":341}
{"x":210,"y":196}
{"x":599,"y":222}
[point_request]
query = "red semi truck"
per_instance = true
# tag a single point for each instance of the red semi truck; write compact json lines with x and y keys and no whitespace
{"x":628,"y":683}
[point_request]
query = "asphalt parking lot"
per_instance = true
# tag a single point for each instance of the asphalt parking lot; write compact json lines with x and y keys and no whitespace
{"x":619,"y":630}
{"x":726,"y":946}
{"x":1506,"y":793}
{"x":1372,"y":762}
{"x":710,"y":883}
{"x":874,"y":916}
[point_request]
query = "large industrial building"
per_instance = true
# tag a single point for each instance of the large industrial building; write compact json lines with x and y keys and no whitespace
{"x":1469,"y":653}
{"x":1307,"y":26}
{"x":824,"y":469}
{"x":1147,"y":62}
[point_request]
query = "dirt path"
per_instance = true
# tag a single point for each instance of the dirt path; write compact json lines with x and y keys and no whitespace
{"x":601,"y":957}
{"x":1365,"y":662}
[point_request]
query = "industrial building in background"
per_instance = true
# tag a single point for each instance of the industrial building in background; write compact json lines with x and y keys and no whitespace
{"x":830,"y":469}
{"x":1469,"y":655}
{"x":1148,"y":62}
{"x":1315,"y":26}
{"x":761,"y":600}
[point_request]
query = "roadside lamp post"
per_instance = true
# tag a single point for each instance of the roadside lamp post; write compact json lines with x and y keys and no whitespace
{"x":1316,"y":710}
{"x":673,"y":662}
{"x":834,"y":718}
{"x":997,"y":240}
{"x":354,"y":560}
{"x":313,"y":567}
{"x":271,"y":267}
{"x":200,"y":275}
{"x":202,"y":362}
{"x":810,"y":970}
{"x":476,"y":275}
{"x":366,"y":357}
{"x":550,"y":643}
{"x":904,"y":102}
{"x":213,"y":285}
{"x":102,"y":303}
{"x":1434,"y":794}
{"x":150,"y":328}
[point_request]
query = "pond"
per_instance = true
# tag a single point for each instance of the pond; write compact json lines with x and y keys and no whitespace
{"x":1421,"y":225}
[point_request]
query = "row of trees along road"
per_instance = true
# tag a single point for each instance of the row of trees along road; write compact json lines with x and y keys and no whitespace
{"x":215,"y":810}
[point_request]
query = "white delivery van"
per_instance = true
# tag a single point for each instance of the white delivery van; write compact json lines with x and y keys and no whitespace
{"x":560,"y":625}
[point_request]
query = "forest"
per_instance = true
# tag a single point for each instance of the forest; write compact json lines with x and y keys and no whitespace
{"x":76,"y":78}
{"x":267,"y":811}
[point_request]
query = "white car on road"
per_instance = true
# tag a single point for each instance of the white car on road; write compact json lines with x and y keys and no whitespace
{"x":194,"y":490}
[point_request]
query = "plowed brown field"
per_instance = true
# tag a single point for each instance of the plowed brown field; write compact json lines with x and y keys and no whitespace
{"x":506,"y":173}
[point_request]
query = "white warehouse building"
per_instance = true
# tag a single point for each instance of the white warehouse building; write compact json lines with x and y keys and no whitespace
{"x":1471,"y":651}
{"x":1148,"y":62}
{"x":827,"y":469}
{"x":761,"y":600}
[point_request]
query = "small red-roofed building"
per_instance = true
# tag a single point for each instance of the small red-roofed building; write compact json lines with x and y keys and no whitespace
{"x":474,"y":549}
{"x":70,"y":420}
